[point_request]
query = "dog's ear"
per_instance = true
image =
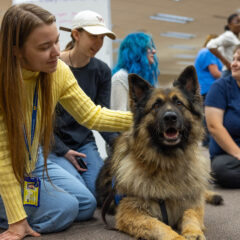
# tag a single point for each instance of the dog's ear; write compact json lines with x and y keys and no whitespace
{"x":137,"y":87}
{"x":188,"y":81}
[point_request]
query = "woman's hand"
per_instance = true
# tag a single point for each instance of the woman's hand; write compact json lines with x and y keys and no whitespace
{"x":71,"y":156}
{"x":18,"y":231}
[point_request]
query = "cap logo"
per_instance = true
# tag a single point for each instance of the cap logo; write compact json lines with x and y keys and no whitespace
{"x":100,"y":19}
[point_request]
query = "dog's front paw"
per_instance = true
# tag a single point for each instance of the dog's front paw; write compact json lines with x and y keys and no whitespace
{"x":194,"y":236}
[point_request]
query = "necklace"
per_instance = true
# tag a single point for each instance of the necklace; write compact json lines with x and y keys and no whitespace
{"x":70,"y":60}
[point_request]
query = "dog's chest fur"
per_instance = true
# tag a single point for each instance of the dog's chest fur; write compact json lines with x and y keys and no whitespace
{"x":180,"y":187}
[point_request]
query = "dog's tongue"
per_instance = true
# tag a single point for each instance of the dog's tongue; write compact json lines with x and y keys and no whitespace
{"x":171,"y":133}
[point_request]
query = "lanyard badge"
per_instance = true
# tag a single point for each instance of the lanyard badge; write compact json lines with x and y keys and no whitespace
{"x":31,"y":192}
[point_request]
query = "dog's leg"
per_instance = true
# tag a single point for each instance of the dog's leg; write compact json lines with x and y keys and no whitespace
{"x":134,"y":220}
{"x":192,"y":224}
{"x":213,"y":198}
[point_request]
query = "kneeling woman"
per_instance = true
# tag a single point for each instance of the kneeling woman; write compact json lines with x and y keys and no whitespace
{"x":32,"y":81}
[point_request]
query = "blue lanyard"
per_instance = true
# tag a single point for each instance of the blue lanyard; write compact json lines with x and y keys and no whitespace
{"x":34,"y":120}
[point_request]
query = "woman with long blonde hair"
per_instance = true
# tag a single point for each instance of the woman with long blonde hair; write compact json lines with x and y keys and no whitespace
{"x":32,"y":81}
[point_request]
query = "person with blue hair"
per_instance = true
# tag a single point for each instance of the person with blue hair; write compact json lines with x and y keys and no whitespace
{"x":137,"y":54}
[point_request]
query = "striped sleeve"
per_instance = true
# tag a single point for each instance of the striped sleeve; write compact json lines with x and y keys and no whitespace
{"x":10,"y":189}
{"x":81,"y":107}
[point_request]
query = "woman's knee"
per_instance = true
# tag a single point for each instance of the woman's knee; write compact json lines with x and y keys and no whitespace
{"x":58,"y":217}
{"x":92,"y":203}
{"x":87,"y":208}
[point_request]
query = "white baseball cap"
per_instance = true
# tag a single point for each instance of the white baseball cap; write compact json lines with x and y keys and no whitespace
{"x":91,"y":22}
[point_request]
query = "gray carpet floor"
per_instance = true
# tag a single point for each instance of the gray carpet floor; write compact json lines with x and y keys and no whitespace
{"x":222,"y":223}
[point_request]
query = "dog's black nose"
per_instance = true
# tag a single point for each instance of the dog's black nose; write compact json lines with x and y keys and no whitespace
{"x":170,"y":117}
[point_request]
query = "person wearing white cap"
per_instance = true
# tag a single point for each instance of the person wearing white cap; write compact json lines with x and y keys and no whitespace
{"x":72,"y":140}
{"x":91,"y":22}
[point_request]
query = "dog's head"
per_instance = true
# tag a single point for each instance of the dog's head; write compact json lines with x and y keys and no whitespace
{"x":167,"y":118}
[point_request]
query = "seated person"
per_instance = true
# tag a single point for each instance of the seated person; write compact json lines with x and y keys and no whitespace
{"x":222,"y":110}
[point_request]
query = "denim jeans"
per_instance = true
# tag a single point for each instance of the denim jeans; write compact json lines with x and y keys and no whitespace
{"x":65,"y":200}
{"x":94,"y":164}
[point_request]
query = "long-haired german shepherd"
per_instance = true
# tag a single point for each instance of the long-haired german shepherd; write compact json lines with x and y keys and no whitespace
{"x":156,"y":164}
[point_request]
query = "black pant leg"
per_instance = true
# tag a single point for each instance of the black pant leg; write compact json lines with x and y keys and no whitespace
{"x":226,"y":171}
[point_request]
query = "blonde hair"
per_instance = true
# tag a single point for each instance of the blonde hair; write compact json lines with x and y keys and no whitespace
{"x":18,"y":23}
{"x":208,"y":38}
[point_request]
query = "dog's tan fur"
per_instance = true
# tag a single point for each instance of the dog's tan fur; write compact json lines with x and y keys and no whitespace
{"x":146,"y":174}
{"x":148,"y":178}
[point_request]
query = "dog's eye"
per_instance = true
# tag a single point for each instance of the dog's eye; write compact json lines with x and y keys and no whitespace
{"x":178,"y":102}
{"x":156,"y":105}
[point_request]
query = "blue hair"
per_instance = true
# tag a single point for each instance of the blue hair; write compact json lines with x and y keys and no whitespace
{"x":132,"y":57}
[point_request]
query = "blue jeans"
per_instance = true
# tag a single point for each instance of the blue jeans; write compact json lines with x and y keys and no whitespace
{"x":94,"y":164}
{"x":64,"y":201}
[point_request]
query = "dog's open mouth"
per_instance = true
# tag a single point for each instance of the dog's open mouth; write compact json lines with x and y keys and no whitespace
{"x":171,"y":136}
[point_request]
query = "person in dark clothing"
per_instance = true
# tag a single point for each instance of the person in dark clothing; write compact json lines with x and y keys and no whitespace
{"x":94,"y":79}
{"x":94,"y":76}
{"x":222,"y":110}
